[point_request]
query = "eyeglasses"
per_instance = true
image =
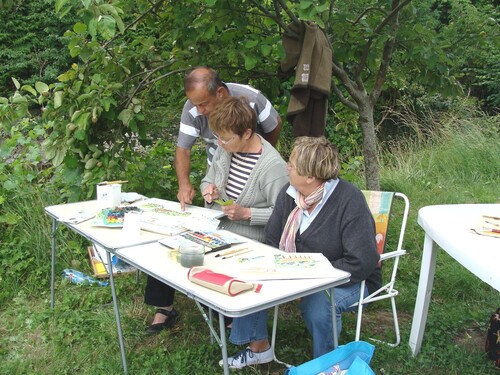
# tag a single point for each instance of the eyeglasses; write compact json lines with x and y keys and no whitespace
{"x":222,"y":140}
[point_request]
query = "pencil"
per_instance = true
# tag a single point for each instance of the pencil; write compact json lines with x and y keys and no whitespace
{"x":112,"y":182}
{"x":229,"y":252}
{"x":237,"y":254}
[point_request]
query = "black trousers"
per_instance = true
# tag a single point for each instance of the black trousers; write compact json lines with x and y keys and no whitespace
{"x":158,"y":293}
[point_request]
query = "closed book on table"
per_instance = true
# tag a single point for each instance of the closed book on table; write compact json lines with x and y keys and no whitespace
{"x":220,"y":282}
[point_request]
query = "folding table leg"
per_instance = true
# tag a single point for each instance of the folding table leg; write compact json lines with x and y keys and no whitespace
{"x":223,"y":343}
{"x":425,"y":282}
{"x":273,"y":337}
{"x":117,"y":316}
{"x":209,"y":321}
{"x":334,"y":320}
{"x":53,"y":265}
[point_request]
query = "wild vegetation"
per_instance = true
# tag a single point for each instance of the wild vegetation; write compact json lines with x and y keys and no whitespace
{"x":102,"y":101}
{"x":449,"y":165}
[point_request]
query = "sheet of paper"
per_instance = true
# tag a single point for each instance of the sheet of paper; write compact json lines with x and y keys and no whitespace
{"x":256,"y":265}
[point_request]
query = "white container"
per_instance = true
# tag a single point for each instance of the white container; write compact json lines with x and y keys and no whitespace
{"x":132,"y":225}
{"x":109,"y":195}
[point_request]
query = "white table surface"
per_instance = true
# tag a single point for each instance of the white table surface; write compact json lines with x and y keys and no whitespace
{"x":156,"y":260}
{"x":149,"y":256}
{"x":448,"y":226}
{"x":113,"y":238}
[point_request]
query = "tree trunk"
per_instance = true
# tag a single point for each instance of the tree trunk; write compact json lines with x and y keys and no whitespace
{"x":369,"y":146}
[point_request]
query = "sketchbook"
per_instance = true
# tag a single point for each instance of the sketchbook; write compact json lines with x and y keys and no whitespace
{"x":166,"y":218}
{"x":261,"y":266}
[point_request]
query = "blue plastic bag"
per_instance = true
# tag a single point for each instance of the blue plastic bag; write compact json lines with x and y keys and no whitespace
{"x":354,"y":357}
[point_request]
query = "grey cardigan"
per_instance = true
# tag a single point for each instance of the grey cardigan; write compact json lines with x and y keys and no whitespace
{"x":260,"y":192}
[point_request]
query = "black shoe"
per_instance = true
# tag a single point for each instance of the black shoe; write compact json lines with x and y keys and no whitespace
{"x":172,"y":317}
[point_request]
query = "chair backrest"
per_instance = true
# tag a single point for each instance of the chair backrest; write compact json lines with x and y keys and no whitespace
{"x":380,"y":204}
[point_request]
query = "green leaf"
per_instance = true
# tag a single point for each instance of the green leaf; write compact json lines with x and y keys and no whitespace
{"x":250,"y":62}
{"x":125,"y":116}
{"x":120,"y":24}
{"x":59,"y":157}
{"x":266,"y":49}
{"x":71,"y":161}
{"x":107,"y":27}
{"x":41,"y":87}
{"x":251,"y":43}
{"x":108,"y":9}
{"x":224,"y":203}
{"x":93,"y":27}
{"x":18,"y":98}
{"x":83,"y":120}
{"x":75,"y":115}
{"x":75,"y":51}
{"x":16,"y":83}
{"x":304,"y":4}
{"x":80,"y":134}
{"x":58,"y":97}
{"x":70,"y":74}
{"x":28,"y":88}
{"x":80,"y":28}
{"x":60,"y":4}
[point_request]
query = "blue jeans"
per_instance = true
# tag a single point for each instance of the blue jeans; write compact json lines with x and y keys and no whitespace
{"x":316,"y":312}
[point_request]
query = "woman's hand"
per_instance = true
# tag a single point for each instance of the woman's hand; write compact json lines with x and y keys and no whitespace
{"x":236,"y":212}
{"x":210,"y":193}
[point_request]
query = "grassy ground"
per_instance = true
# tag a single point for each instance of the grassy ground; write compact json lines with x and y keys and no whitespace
{"x":79,"y":336}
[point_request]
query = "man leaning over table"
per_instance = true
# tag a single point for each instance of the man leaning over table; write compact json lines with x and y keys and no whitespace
{"x":246,"y":169}
{"x":204,"y":90}
{"x":317,"y":212}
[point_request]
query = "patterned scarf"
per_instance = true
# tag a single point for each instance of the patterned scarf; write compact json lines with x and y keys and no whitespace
{"x":287,"y":241}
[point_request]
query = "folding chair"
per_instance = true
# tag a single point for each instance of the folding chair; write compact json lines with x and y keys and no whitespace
{"x":380,"y":203}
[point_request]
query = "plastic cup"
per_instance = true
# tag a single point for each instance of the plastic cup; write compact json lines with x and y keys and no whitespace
{"x":132,"y":225}
{"x":192,"y":255}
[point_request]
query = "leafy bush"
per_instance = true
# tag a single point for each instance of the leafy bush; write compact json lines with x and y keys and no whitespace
{"x":28,"y":56}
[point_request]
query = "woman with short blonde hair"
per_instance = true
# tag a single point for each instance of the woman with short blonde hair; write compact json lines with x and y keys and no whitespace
{"x":317,"y":212}
{"x":318,"y":158}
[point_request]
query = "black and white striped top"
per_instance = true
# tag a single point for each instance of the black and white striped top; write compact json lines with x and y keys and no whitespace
{"x":242,"y":164}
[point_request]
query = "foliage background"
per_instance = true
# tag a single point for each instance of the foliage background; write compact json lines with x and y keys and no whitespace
{"x":82,"y":101}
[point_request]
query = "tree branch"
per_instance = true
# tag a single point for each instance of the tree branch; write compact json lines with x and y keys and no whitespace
{"x":288,"y":11}
{"x":145,"y":81}
{"x":152,"y":9}
{"x":351,"y":86}
{"x":383,"y":68}
{"x":343,"y":99}
{"x":365,"y":12}
{"x":330,"y":12}
{"x":396,"y":7}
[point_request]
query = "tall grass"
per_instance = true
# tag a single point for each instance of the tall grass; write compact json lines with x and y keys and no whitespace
{"x":457,"y":161}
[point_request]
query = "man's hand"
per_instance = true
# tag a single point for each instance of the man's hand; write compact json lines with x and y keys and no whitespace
{"x":236,"y":212}
{"x":182,"y":168}
{"x":186,"y":195}
{"x":210,"y":193}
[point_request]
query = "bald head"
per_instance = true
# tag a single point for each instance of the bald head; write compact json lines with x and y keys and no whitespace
{"x":202,"y":77}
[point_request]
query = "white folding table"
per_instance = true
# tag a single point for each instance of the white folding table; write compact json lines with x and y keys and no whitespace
{"x":448,"y":226}
{"x":152,"y":258}
{"x":111,"y":239}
